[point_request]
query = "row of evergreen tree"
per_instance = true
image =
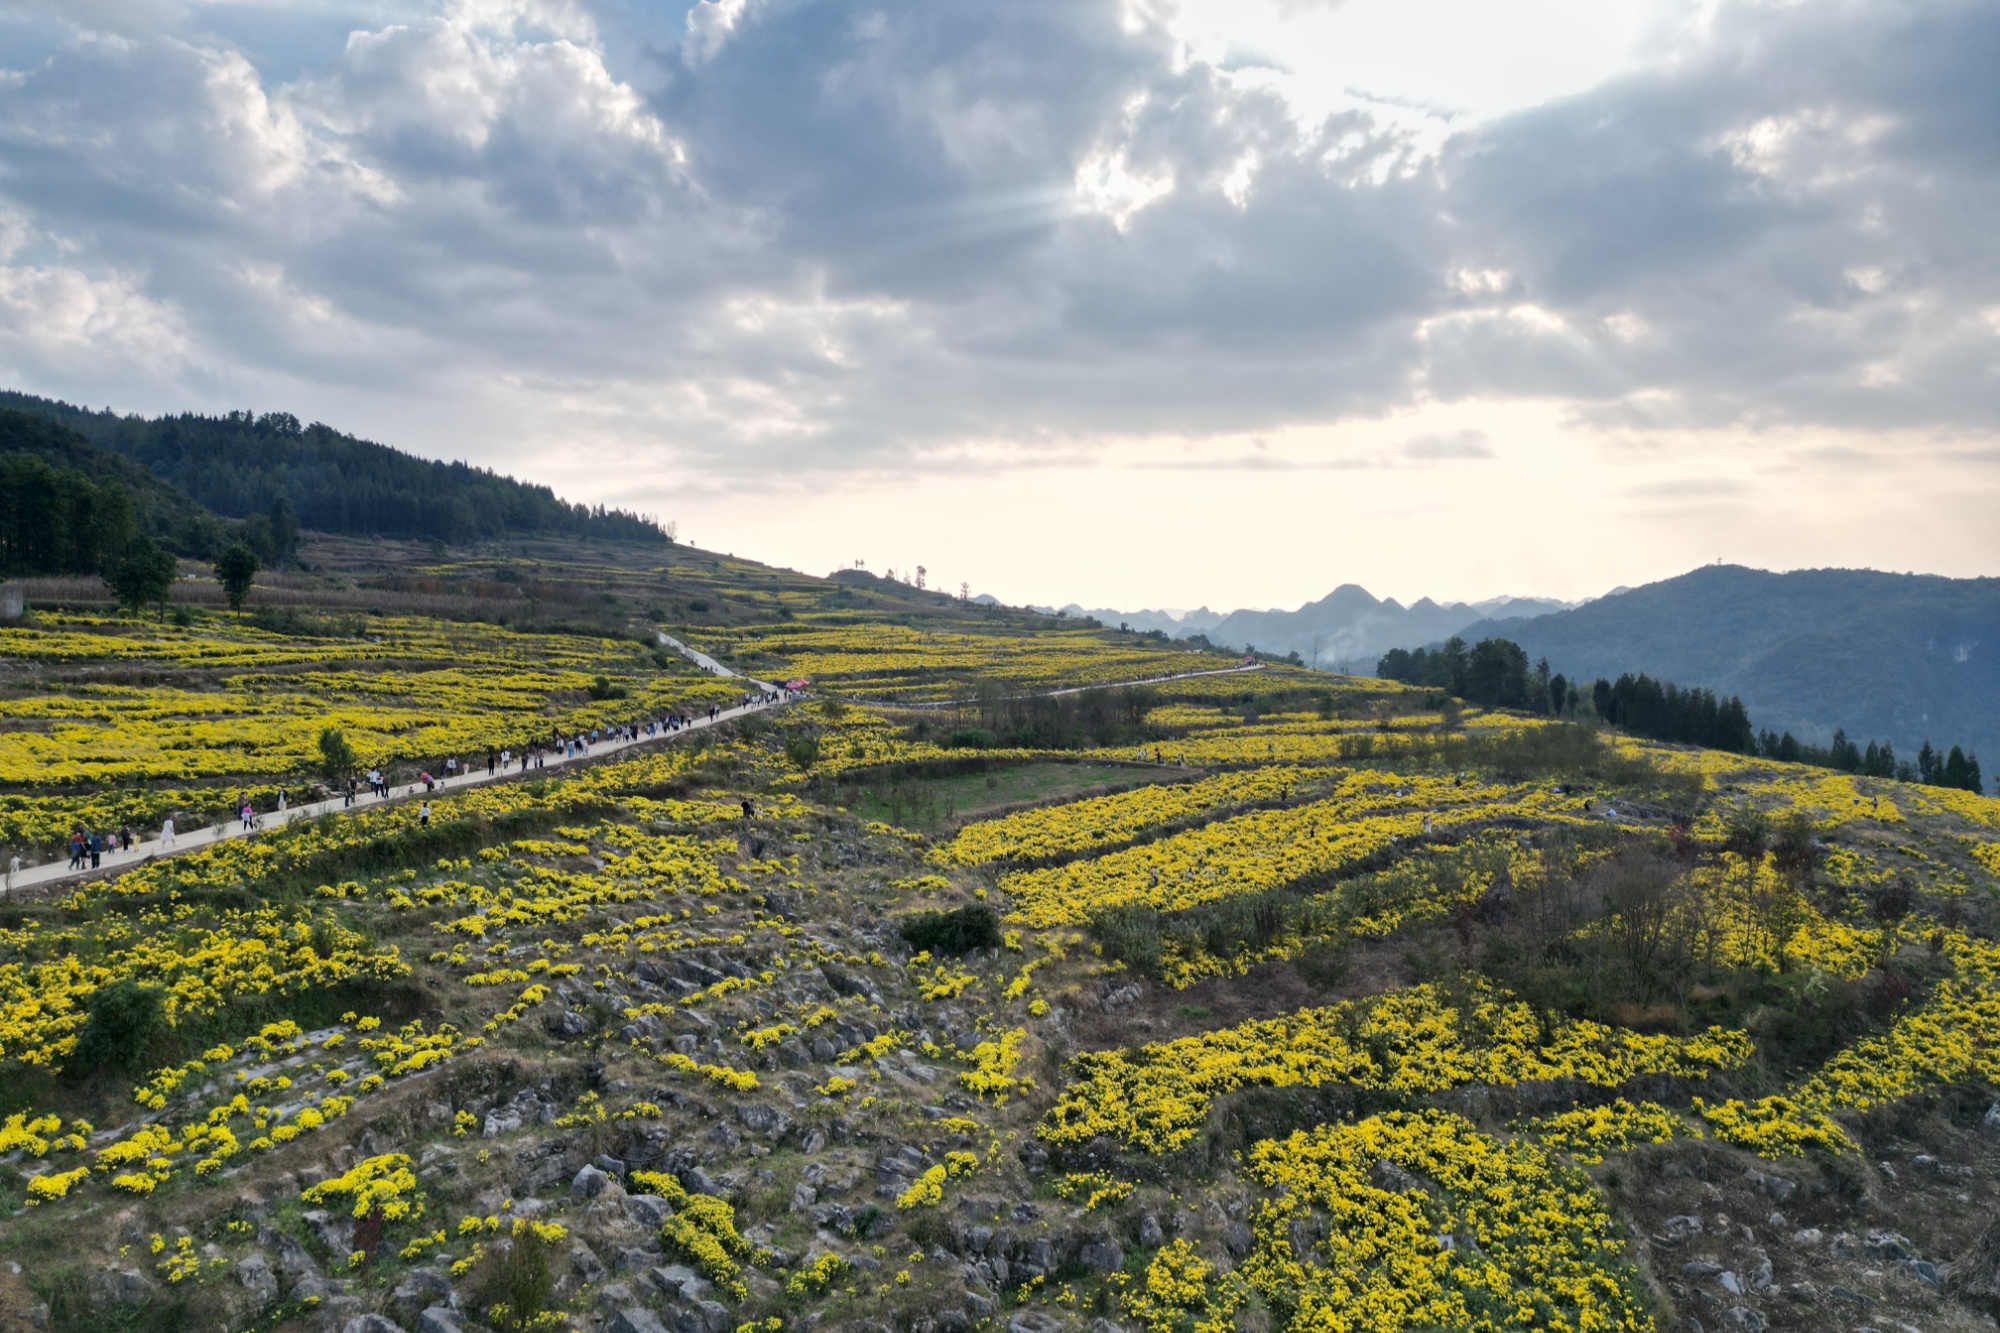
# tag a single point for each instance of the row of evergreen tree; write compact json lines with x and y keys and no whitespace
{"x":1665,"y":712}
{"x":242,"y":464}
{"x":1495,"y":673}
{"x":56,"y":520}
{"x":60,"y":520}
{"x":1933,"y":767}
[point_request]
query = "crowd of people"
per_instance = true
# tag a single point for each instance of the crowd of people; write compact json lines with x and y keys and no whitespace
{"x":87,"y":849}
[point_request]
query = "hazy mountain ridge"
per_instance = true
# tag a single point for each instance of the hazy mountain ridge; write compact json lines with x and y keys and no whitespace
{"x":1884,"y":656}
{"x":1349,"y":628}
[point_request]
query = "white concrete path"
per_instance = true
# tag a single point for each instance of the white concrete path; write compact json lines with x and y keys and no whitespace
{"x":31,"y":878}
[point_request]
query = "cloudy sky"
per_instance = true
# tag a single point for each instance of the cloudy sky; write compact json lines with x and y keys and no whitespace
{"x":1139,"y":303}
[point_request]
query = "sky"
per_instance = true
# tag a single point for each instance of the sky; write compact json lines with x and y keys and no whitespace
{"x":1130,"y":303}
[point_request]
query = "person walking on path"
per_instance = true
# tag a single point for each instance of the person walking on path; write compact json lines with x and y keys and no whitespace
{"x":450,"y":768}
{"x":96,"y":850}
{"x":13,"y":870}
{"x":283,"y":798}
{"x":424,"y":815}
{"x":489,"y":763}
{"x":245,"y":813}
{"x":167,"y":831}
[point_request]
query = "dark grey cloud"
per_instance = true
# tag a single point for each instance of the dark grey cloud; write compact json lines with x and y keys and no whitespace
{"x":850,"y":236}
{"x":1792,"y":219}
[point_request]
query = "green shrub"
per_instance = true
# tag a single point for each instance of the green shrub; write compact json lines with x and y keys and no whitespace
{"x":518,"y":1288}
{"x":125,"y":1020}
{"x":1322,"y":965}
{"x":1130,"y":934}
{"x":955,"y":932}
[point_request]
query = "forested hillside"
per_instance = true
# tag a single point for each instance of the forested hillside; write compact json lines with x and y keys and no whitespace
{"x":242,"y":464}
{"x":67,"y":507}
{"x":1896,"y":656}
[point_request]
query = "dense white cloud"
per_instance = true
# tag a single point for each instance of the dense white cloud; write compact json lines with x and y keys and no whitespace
{"x":874,"y":243}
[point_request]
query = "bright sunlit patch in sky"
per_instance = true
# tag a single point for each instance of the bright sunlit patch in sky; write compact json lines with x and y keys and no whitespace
{"x":1467,"y":58}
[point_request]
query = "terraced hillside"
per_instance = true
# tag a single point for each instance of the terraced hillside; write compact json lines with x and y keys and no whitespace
{"x":1016,"y":976}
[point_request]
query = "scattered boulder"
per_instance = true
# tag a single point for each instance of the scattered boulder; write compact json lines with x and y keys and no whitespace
{"x":294,"y":1260}
{"x":1889,"y":1245}
{"x":636,"y":1319}
{"x":705,"y":1317}
{"x":679,"y":1282}
{"x":772,"y":1123}
{"x":589,"y":1183}
{"x":1034,"y":1321}
{"x":1678,"y":1230}
{"x":583,"y":1261}
{"x":1779,"y":1188}
{"x":438,"y":1319}
{"x":635,"y":1260}
{"x":648,"y":1210}
{"x":1102,"y":1254}
{"x":370,"y":1323}
{"x":422,"y":1288}
{"x":120,"y":1286}
{"x":253,"y":1270}
{"x":337,"y":1312}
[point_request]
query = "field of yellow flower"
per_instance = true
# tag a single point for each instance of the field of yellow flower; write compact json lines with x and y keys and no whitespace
{"x":1287,"y":1001}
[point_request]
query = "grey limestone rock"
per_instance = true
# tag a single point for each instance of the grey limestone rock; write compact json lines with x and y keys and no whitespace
{"x":120,"y":1286}
{"x":370,"y":1323}
{"x":637,"y":1319}
{"x":253,"y":1270}
{"x":589,"y":1183}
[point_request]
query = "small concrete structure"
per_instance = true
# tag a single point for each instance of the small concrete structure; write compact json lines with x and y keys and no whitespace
{"x":13,"y":601}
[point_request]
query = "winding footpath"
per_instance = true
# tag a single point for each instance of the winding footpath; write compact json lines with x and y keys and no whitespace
{"x":32,"y":878}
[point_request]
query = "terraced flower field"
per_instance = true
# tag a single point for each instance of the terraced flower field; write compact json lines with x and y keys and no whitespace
{"x":1325,"y":1005}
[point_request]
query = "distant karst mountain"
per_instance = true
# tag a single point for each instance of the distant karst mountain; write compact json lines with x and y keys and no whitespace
{"x":1347,"y":629}
{"x":1894,"y":657}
